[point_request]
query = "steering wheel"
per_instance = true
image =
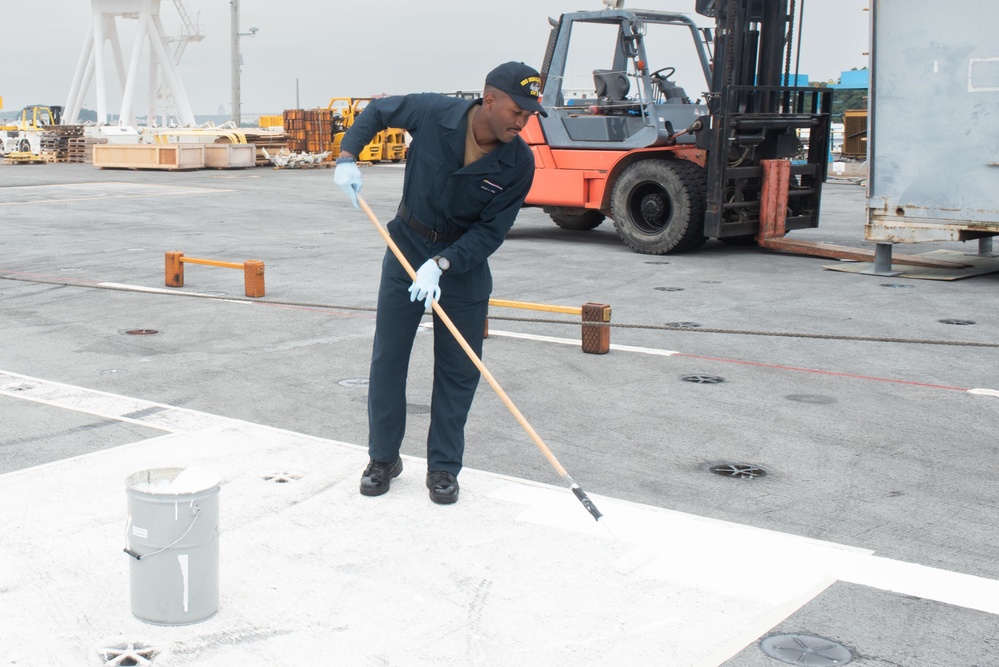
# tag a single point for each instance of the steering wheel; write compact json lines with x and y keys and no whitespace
{"x":672,"y":71}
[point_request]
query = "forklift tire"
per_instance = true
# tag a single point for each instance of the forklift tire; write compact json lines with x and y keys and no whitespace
{"x":575,"y":219}
{"x":658,"y":206}
{"x":24,"y":146}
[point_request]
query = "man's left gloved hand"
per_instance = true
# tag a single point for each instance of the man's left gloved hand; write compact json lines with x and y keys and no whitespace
{"x":426,"y":286}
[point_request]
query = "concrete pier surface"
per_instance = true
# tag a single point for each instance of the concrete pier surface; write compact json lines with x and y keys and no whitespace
{"x":859,"y":422}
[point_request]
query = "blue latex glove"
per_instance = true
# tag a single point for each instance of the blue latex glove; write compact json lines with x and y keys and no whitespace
{"x":426,"y":285}
{"x":348,"y":177}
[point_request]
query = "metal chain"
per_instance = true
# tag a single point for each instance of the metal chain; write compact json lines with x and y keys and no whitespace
{"x":193,"y":295}
{"x":615,"y":325}
{"x":790,"y":45}
{"x":743,"y":332}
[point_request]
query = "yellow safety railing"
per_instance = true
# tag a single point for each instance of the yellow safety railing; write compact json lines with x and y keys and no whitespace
{"x":253,"y":271}
{"x":595,"y":320}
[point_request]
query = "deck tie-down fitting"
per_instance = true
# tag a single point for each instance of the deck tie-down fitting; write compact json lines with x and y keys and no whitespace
{"x":253,"y":271}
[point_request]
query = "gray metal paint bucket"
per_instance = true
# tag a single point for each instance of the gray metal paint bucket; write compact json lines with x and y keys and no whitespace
{"x":172,"y":536}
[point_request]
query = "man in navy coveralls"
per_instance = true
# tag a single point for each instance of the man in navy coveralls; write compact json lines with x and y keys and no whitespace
{"x":467,"y":174}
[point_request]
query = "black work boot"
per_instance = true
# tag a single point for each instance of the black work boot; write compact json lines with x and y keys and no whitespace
{"x":443,"y":487}
{"x":377,"y":476}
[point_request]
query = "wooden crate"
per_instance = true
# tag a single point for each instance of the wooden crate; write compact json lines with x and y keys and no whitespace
{"x":230,"y":156}
{"x":174,"y":157}
{"x":855,"y":133}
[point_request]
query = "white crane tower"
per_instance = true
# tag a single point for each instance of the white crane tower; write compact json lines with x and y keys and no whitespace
{"x":92,"y":63}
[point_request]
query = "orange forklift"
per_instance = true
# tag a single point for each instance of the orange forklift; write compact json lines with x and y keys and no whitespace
{"x":670,"y":171}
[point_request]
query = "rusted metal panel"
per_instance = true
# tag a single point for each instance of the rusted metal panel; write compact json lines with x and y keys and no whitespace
{"x":934,"y":121}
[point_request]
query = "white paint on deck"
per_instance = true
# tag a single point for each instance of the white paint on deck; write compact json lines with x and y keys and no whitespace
{"x":516,"y":573}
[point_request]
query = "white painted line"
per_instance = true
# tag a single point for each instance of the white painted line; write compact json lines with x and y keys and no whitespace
{"x":543,"y":339}
{"x":68,"y":397}
{"x":984,"y":392}
{"x":803,"y":567}
{"x":644,"y":350}
{"x":578,"y":343}
{"x":928,"y":583}
{"x":105,"y":405}
{"x":139,"y":288}
{"x":160,"y":290}
{"x":737,"y":641}
{"x":83,"y":457}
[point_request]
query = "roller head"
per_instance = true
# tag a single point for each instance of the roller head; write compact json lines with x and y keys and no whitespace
{"x":634,"y":559}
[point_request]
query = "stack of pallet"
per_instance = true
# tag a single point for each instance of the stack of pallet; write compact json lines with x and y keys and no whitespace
{"x":54,"y":143}
{"x":309,"y":130}
{"x":81,"y":149}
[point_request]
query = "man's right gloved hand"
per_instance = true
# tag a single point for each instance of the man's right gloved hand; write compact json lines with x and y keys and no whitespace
{"x":348,"y":177}
{"x":426,"y":287}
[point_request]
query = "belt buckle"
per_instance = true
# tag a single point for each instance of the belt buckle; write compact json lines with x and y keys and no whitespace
{"x":433,"y":235}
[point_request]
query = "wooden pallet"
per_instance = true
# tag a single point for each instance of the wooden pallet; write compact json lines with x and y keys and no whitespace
{"x":22,"y":158}
{"x":76,"y":150}
{"x":81,"y":149}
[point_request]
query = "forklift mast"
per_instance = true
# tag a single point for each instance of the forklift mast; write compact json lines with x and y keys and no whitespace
{"x":756,"y":115}
{"x":749,"y":41}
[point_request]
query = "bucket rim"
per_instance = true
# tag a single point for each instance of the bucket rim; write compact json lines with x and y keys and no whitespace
{"x":211,"y":480}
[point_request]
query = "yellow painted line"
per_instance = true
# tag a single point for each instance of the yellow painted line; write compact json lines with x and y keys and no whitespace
{"x":524,"y":305}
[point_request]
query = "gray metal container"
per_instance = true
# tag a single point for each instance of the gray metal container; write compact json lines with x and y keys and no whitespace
{"x":172,"y":538}
{"x":934,"y":100}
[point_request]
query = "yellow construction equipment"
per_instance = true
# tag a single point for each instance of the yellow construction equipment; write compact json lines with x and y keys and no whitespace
{"x":25,"y":135}
{"x":388,"y":144}
{"x":393,"y":141}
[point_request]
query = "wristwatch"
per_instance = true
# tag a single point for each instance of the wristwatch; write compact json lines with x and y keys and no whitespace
{"x":443,"y":263}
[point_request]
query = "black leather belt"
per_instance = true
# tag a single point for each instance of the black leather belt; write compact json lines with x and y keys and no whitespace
{"x":431,"y":235}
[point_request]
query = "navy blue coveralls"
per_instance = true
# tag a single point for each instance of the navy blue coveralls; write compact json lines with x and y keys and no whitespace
{"x":479,"y":202}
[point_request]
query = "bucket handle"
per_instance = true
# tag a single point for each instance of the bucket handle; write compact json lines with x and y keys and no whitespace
{"x":138,"y":556}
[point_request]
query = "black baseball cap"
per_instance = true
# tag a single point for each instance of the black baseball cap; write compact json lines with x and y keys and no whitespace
{"x":519,"y":81}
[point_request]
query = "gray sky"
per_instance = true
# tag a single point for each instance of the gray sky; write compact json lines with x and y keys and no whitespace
{"x":341,"y":48}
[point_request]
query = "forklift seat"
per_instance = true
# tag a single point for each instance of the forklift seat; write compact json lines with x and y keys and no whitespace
{"x":611,"y":85}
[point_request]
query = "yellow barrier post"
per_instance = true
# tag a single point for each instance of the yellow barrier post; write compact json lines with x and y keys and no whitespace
{"x":174,"y":269}
{"x":596,"y":337}
{"x":253,"y":277}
